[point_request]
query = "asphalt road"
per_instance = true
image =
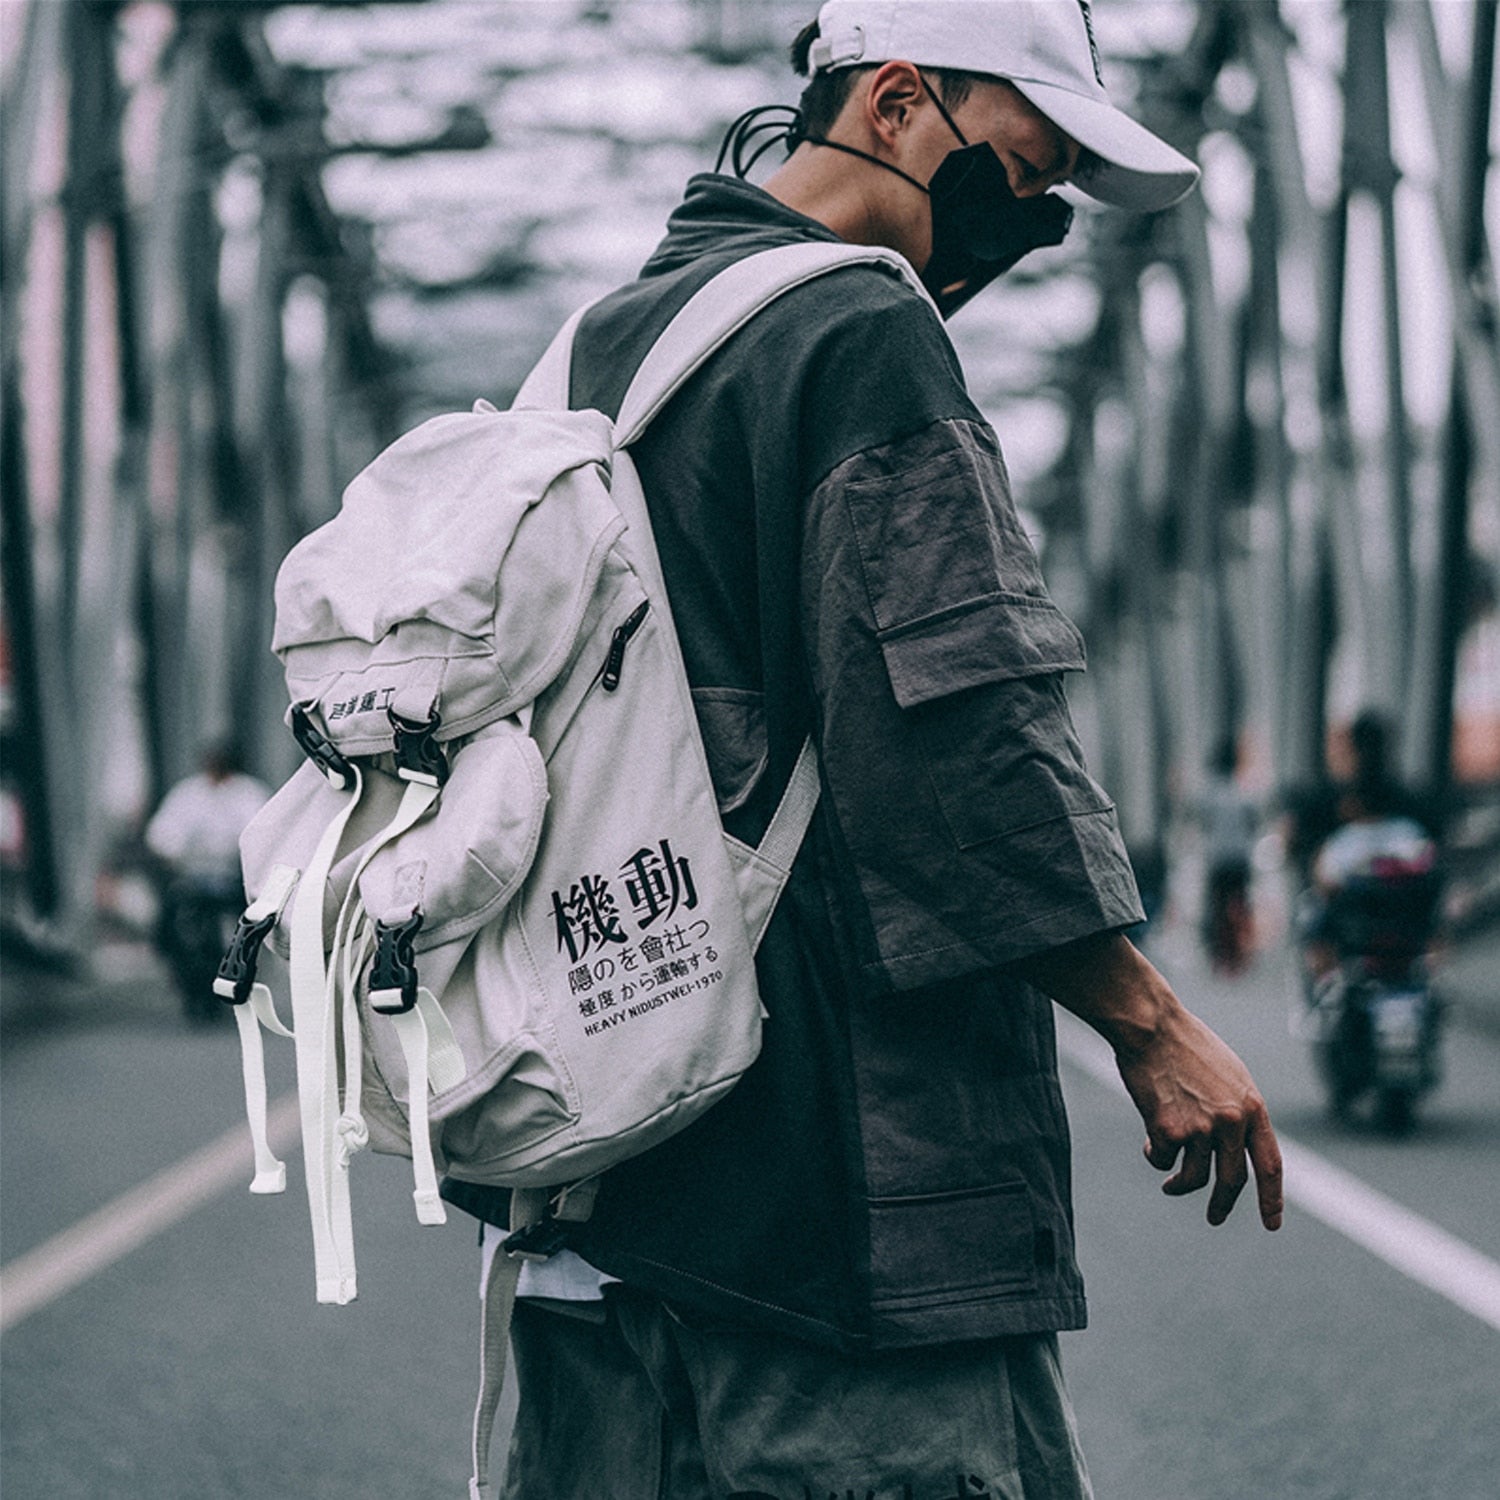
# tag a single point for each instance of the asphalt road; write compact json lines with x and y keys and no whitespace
{"x":1232,"y":1364}
{"x":1222,"y":1364}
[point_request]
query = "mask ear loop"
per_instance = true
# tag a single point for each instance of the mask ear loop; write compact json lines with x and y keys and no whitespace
{"x":791,"y":128}
{"x":932,"y":94}
{"x":818,"y":140}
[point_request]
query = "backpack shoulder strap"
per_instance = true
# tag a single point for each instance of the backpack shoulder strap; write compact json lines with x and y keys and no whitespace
{"x":713,"y":314}
{"x":547,"y":387}
{"x":709,"y":318}
{"x":719,"y":309}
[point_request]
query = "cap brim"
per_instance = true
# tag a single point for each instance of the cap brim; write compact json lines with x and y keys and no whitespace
{"x":1137,"y":169}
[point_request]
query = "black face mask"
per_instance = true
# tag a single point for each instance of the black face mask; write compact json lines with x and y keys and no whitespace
{"x":980,"y":229}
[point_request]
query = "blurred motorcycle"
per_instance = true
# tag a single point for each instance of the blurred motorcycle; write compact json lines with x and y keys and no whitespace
{"x":1374,"y":1021}
{"x":197,"y":924}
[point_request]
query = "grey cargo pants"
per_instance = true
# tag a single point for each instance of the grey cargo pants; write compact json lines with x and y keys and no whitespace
{"x":637,"y":1404}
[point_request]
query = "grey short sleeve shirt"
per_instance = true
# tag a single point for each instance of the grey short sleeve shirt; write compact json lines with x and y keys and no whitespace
{"x":835,"y":520}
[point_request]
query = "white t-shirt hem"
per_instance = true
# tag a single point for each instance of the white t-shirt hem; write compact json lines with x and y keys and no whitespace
{"x":564,"y":1277}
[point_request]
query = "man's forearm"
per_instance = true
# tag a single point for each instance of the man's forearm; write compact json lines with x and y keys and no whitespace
{"x":1108,"y":982}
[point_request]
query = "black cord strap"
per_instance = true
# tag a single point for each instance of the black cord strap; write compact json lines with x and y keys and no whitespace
{"x":776,"y":122}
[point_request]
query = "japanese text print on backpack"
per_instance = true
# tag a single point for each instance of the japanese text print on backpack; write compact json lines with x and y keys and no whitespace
{"x":518,"y":944}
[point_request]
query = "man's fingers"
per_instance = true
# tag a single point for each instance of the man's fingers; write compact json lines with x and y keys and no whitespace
{"x":1230,"y":1174}
{"x":1205,"y":1117}
{"x":1197,"y":1159}
{"x":1161,"y":1152}
{"x":1265,"y":1158}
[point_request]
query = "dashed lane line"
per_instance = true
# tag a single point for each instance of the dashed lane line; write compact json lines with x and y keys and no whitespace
{"x":42,"y":1275}
{"x":1415,"y":1246}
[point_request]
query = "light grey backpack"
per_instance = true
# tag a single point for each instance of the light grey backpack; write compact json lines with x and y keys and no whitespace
{"x":518,"y":944}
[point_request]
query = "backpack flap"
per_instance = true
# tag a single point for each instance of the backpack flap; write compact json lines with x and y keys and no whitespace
{"x":392,"y":606}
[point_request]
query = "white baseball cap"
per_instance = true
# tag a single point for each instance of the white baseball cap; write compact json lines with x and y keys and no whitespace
{"x":1045,"y":48}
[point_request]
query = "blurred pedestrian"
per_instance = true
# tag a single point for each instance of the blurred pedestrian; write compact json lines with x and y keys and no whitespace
{"x":849,"y":1276}
{"x":1229,"y":822}
{"x":195,"y":833}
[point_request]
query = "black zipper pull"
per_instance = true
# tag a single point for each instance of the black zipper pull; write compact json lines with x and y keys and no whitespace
{"x":616,"y":658}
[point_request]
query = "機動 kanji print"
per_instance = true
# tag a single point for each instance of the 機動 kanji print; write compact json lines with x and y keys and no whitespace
{"x":633,"y":939}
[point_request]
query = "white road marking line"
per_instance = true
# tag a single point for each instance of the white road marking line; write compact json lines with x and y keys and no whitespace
{"x":55,"y":1267}
{"x":1415,"y":1246}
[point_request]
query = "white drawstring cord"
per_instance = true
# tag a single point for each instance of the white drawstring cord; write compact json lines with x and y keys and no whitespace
{"x":353,"y":1133}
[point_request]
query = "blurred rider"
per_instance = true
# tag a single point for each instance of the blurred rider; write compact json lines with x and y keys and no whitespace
{"x":1368,"y":840}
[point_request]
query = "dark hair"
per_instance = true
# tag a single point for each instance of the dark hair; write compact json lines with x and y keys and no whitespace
{"x":1370,"y":737}
{"x":827,"y":93}
{"x":221,"y":758}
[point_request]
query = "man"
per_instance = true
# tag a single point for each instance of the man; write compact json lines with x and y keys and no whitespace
{"x":1371,"y":791}
{"x":1229,"y":822}
{"x":849,"y":1276}
{"x":195,"y":834}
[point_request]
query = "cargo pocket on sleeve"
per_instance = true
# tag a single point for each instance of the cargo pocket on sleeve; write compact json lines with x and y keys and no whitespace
{"x":982,"y":690}
{"x":997,"y":638}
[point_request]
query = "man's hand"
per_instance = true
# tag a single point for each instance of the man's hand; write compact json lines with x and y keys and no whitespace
{"x":1196,"y":1097}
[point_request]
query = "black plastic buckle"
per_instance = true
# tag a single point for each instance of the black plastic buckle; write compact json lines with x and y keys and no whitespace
{"x":321,"y":750}
{"x":394,"y":970}
{"x":237,"y":968}
{"x":539,"y":1241}
{"x":419,"y":757}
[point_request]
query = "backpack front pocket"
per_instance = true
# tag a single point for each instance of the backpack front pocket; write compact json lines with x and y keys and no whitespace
{"x":459,"y":866}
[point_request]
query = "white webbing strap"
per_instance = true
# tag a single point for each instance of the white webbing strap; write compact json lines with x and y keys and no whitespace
{"x":258,"y":1010}
{"x":788,"y":825}
{"x":498,"y":1301}
{"x":351,"y":953}
{"x":329,"y":1138}
{"x":708,"y":319}
{"x":497,"y":1293}
{"x":433,"y":1061}
{"x":317,"y":1083}
{"x":549,"y":385}
{"x":764,"y":871}
{"x":349,"y":1132}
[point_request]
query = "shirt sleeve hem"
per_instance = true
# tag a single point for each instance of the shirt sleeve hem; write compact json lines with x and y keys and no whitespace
{"x":1002,"y":947}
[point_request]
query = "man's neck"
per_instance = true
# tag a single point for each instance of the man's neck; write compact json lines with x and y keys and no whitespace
{"x":852,"y":203}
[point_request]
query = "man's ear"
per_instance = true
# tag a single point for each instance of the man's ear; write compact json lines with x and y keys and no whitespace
{"x":895,"y":91}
